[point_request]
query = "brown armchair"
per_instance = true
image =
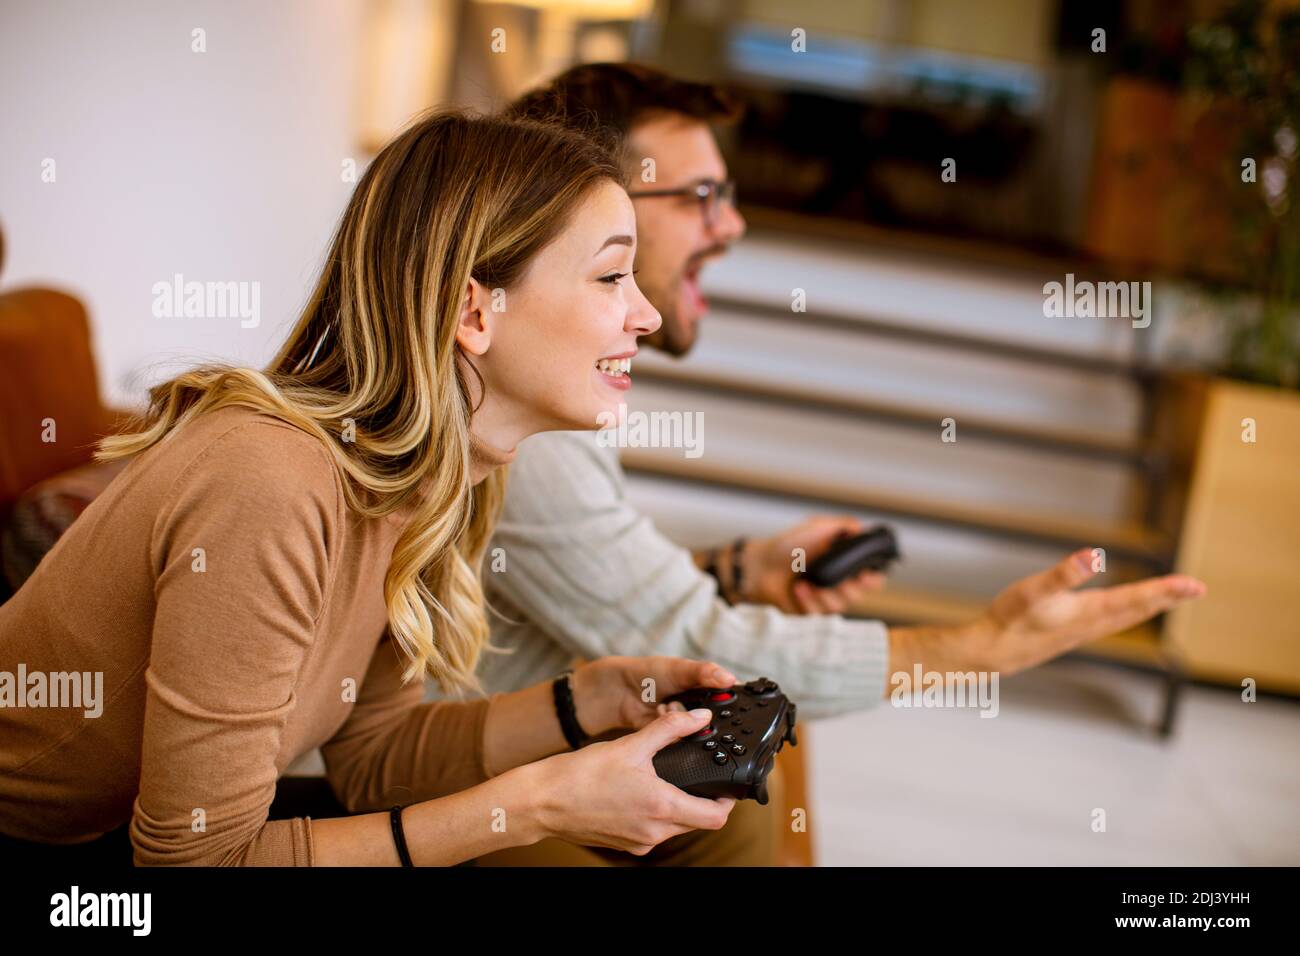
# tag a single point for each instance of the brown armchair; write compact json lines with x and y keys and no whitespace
{"x":47,"y":375}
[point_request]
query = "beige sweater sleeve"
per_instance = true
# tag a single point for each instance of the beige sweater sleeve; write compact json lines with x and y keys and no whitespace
{"x":241,"y":555}
{"x":395,"y":749}
{"x":234,"y":624}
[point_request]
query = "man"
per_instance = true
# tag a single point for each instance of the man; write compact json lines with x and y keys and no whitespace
{"x":586,"y":576}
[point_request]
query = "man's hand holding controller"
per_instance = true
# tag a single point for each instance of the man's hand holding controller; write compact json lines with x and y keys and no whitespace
{"x":768,"y":569}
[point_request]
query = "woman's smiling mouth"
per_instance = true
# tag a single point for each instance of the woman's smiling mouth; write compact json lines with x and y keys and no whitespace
{"x":615,"y":370}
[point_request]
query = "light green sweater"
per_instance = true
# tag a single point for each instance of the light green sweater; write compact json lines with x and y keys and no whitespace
{"x":582,"y":574}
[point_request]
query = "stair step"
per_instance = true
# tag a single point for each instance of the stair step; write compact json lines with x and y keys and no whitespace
{"x":741,"y":386}
{"x":1120,"y":539}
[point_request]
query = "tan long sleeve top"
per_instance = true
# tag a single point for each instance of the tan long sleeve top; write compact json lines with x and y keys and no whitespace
{"x":233,"y":606}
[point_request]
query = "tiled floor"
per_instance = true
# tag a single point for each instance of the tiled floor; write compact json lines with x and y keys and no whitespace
{"x":930,"y":786}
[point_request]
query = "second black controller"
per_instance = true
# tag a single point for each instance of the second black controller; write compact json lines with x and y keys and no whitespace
{"x":872,"y":550}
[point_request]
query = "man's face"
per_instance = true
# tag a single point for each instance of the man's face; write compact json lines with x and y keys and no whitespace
{"x":673,"y":238}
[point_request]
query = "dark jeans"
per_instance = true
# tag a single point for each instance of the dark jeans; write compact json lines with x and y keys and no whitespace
{"x":294,"y":797}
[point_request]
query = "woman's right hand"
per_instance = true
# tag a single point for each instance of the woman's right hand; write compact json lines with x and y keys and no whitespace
{"x":608,"y":794}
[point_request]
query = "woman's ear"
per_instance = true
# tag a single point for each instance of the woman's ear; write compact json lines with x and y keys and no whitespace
{"x":473,"y":328}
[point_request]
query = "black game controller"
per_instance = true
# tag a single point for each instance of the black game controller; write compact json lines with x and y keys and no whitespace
{"x":733,"y":754}
{"x":872,"y":550}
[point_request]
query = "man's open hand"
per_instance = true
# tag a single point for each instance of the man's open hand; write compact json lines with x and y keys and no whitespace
{"x":1041,"y":616}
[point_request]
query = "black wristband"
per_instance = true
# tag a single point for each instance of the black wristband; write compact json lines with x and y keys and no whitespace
{"x":711,"y":569}
{"x":738,"y":570}
{"x":399,"y":835}
{"x":562,"y":690}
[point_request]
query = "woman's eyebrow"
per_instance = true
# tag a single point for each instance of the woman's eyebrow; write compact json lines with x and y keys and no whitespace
{"x":615,"y":241}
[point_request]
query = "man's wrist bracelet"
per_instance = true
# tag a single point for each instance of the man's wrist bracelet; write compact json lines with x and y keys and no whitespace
{"x":711,"y":569}
{"x":738,"y":570}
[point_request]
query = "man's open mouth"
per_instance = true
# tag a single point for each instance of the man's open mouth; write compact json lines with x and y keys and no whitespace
{"x":691,"y":284}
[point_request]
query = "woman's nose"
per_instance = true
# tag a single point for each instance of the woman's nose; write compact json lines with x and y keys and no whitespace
{"x":643,"y":318}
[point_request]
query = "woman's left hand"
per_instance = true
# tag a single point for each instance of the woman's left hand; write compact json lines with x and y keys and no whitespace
{"x":615,"y":693}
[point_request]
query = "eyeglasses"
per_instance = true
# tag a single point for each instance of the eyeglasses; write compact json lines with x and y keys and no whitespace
{"x":710,"y":193}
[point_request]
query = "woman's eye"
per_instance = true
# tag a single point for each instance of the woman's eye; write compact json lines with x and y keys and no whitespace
{"x":613,"y":277}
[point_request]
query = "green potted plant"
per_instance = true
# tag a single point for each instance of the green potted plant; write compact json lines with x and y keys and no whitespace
{"x":1248,"y":58}
{"x":1240,"y":530}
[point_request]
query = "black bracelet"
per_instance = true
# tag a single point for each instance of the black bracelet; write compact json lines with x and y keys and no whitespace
{"x":738,"y":570}
{"x":711,"y":569}
{"x":399,"y":835}
{"x":562,"y":690}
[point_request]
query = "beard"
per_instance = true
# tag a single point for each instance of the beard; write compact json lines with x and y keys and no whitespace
{"x":677,"y":335}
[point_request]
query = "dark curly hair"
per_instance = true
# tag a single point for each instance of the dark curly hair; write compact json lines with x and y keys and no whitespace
{"x":605,"y":100}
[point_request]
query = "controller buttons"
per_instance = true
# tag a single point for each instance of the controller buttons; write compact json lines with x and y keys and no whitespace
{"x":737,"y":749}
{"x":706,"y":732}
{"x":728,"y":738}
{"x":710,"y":743}
{"x":761,"y":703}
{"x":723,"y":696}
{"x":720,"y":757}
{"x":724,"y":713}
{"x":748,"y":730}
{"x":737,"y":722}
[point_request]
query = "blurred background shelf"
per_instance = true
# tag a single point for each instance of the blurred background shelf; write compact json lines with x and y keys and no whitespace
{"x":1131,"y":540}
{"x":655,"y":369}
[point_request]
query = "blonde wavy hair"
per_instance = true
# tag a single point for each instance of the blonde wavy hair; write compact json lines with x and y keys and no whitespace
{"x":454,"y":196}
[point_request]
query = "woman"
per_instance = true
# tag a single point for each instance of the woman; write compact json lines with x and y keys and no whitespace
{"x":289,"y":548}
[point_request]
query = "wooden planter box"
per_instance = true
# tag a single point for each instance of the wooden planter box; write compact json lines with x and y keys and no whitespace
{"x":1241,"y":535}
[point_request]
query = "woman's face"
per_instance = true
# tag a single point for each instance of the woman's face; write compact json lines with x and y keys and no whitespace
{"x":555,"y":352}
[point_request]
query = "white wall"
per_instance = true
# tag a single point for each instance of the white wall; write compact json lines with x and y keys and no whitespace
{"x":222,"y":166}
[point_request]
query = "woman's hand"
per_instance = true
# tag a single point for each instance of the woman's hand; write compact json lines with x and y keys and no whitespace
{"x":608,"y":794}
{"x":615,"y":693}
